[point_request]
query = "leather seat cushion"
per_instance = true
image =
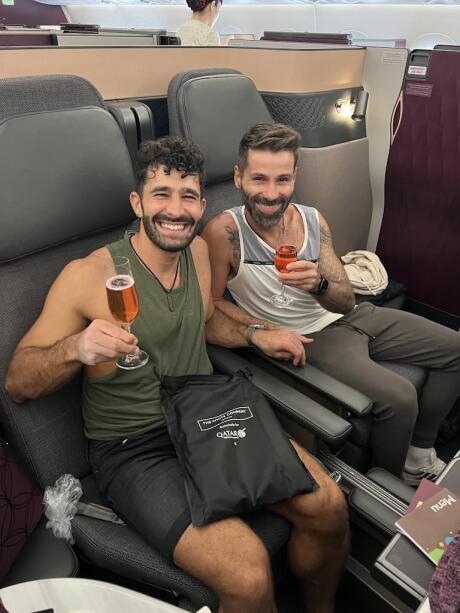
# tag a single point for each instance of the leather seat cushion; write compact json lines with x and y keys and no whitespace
{"x":120,"y":549}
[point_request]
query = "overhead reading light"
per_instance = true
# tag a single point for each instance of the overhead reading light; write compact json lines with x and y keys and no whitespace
{"x":360,"y":109}
{"x":344,"y":107}
{"x":353,"y":109}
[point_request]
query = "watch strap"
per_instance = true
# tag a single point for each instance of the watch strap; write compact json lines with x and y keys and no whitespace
{"x":322,"y":287}
{"x":248,"y":333}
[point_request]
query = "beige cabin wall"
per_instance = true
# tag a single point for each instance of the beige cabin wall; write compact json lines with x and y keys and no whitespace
{"x":335,"y":180}
{"x":144,"y":72}
{"x":383,"y":78}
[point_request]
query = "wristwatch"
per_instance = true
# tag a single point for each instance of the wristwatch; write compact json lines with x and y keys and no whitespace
{"x":250,"y":329}
{"x":322,"y":287}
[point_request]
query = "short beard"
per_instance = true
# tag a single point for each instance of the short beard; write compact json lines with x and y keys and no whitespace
{"x":169,"y":244}
{"x":265,"y":221}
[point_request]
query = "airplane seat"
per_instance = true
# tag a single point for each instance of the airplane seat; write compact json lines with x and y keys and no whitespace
{"x":134,"y":118}
{"x":28,"y":551}
{"x":46,"y":93}
{"x":136,"y":122}
{"x":204,"y":105}
{"x":214,"y":107}
{"x":66,"y":174}
{"x":43,"y":557}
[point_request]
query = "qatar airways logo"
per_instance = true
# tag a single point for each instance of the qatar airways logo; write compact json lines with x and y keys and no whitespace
{"x":224,"y":421}
{"x":232,"y":433}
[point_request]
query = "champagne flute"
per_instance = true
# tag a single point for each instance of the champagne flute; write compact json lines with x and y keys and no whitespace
{"x":124,"y":305}
{"x":286,"y":252}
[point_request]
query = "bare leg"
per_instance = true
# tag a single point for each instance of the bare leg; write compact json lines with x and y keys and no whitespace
{"x":318,"y":545}
{"x":229,"y":557}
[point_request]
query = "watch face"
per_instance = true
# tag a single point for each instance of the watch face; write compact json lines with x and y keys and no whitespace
{"x":322,"y":287}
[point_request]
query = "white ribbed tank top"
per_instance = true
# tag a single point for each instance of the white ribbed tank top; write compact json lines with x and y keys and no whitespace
{"x":257,"y":278}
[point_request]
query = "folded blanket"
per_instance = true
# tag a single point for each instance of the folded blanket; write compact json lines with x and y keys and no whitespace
{"x":365,"y":271}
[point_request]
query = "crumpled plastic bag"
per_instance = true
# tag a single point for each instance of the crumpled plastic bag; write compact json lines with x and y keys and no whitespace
{"x":60,"y":502}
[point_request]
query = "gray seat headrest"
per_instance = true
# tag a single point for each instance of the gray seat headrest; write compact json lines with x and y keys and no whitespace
{"x":214,"y":111}
{"x":175,"y":114}
{"x":64,"y":174}
{"x":46,"y":93}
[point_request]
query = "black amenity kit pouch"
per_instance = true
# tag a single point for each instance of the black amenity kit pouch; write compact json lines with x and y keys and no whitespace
{"x":233,"y":453}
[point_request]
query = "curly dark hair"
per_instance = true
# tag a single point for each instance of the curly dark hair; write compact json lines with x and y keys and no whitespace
{"x":173,"y":153}
{"x":272,"y":137}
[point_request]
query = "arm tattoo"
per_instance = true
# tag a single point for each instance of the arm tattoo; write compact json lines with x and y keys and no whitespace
{"x":234,"y":240}
{"x":339,"y":298}
{"x":324,"y":235}
{"x":329,"y":263}
{"x":332,"y":268}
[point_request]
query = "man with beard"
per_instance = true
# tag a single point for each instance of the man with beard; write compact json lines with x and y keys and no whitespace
{"x":133,"y":458}
{"x":347,"y":338}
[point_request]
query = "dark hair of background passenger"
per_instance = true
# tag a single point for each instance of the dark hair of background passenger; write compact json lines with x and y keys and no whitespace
{"x":174,"y":154}
{"x":198,"y":5}
{"x":272,"y":137}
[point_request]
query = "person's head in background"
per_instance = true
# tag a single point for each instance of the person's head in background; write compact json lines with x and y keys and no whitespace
{"x":206,"y":11}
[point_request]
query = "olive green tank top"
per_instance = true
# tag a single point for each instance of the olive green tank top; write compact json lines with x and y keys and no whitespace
{"x":127,"y":402}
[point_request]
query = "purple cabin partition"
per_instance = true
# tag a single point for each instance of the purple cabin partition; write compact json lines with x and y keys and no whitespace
{"x":28,"y":12}
{"x":419,"y":241}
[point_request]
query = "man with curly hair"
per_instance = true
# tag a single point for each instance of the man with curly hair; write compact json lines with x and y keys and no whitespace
{"x":198,"y":30}
{"x":133,"y":458}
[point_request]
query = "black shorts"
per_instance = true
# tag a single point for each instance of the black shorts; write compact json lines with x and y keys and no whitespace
{"x":141,"y":480}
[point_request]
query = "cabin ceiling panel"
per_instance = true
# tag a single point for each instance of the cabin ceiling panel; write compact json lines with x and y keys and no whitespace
{"x":167,"y":17}
{"x":412,"y":22}
{"x":143,"y":72}
{"x":243,"y":19}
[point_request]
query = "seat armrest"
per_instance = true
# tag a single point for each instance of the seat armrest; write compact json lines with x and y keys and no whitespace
{"x":375,"y":513}
{"x":357,"y":403}
{"x":325,"y":424}
{"x":391,"y":483}
{"x":375,"y":509}
{"x":43,"y":557}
